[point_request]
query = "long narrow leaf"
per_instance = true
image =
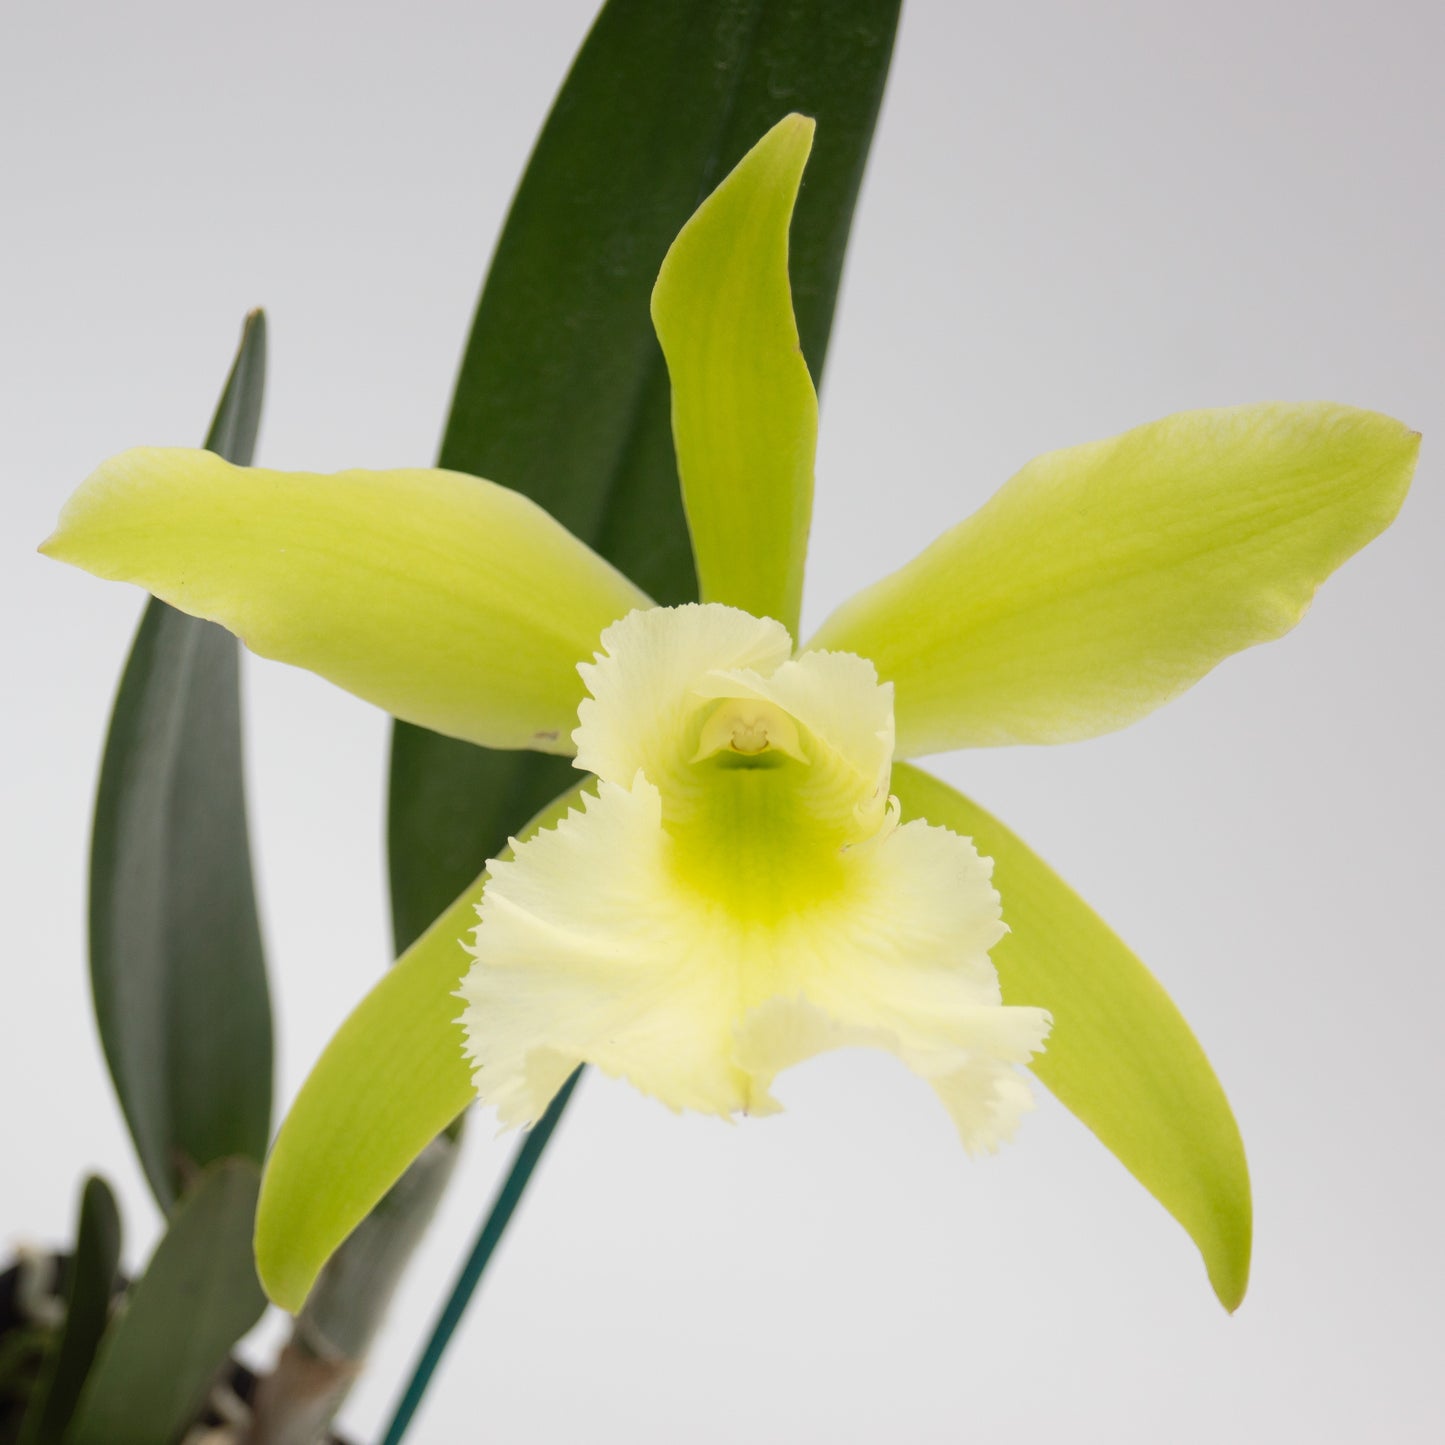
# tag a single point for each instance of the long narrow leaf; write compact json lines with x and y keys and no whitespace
{"x":176,"y":962}
{"x":87,"y":1311}
{"x":198,"y":1296}
{"x":562,"y":392}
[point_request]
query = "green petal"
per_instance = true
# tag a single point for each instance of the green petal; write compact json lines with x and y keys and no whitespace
{"x":389,"y":1082}
{"x":1120,"y":1055}
{"x":447,"y":600}
{"x":744,"y":413}
{"x":1103,"y":580}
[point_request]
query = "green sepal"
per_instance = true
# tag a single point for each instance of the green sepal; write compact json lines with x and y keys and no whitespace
{"x":563,"y":391}
{"x":1120,"y":1055}
{"x":391,"y":1079}
{"x":744,"y":413}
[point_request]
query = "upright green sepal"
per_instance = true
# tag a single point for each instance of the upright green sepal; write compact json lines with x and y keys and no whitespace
{"x":1120,"y":1055}
{"x":744,"y":412}
{"x":563,"y":391}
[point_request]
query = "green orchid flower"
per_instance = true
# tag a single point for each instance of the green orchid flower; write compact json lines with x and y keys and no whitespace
{"x":750,"y":875}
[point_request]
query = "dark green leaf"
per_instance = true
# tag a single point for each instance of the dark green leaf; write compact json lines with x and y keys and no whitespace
{"x":87,"y":1311}
{"x":562,"y":392}
{"x":198,"y":1296}
{"x":176,"y":962}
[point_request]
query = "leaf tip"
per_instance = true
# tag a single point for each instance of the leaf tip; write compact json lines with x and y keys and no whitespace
{"x":253,"y":331}
{"x":1227,"y":1254}
{"x":797,"y":125}
{"x":789,"y":143}
{"x":286,"y":1284}
{"x":1230,"y":1283}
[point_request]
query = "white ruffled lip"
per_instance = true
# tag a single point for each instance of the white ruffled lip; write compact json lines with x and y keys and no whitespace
{"x":594,"y":947}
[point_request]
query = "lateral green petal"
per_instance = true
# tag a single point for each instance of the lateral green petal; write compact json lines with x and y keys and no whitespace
{"x":1103,"y":580}
{"x":387,"y":1084}
{"x":744,"y":412}
{"x":447,"y":600}
{"x":1120,"y":1056}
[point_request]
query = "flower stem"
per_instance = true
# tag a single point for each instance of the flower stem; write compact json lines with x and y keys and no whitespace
{"x":488,"y":1238}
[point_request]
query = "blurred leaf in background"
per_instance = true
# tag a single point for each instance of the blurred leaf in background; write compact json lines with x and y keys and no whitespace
{"x":198,"y":1296}
{"x":177,"y":967}
{"x":91,"y":1284}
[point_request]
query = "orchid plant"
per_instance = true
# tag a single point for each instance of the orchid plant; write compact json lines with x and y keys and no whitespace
{"x":751,"y":872}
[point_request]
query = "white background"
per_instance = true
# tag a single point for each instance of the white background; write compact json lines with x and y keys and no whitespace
{"x":1076,"y":218}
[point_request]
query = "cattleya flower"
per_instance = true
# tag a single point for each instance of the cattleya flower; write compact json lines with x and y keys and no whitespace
{"x":750,"y":876}
{"x":738,"y":894}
